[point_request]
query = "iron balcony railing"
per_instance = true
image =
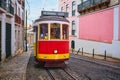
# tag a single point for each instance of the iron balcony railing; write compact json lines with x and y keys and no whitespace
{"x":99,"y":1}
{"x":18,"y":19}
{"x":6,"y":6}
{"x":87,"y":4}
{"x":84,"y":5}
{"x":90,"y":3}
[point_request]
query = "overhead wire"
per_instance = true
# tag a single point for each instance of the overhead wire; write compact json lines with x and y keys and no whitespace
{"x":44,"y":4}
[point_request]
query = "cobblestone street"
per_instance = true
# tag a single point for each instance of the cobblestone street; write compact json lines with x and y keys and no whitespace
{"x":15,"y":68}
{"x":60,"y":40}
{"x":80,"y":67}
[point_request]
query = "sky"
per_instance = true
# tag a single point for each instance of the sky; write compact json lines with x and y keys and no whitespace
{"x":34,"y":8}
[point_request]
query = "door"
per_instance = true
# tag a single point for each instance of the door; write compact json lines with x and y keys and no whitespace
{"x":0,"y":40}
{"x":8,"y":40}
{"x":73,"y":44}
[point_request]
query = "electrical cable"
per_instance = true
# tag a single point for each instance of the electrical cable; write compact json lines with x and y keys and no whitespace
{"x":44,"y":4}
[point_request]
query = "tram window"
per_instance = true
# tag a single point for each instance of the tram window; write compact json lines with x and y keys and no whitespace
{"x":44,"y":31}
{"x":65,"y":32}
{"x":55,"y":31}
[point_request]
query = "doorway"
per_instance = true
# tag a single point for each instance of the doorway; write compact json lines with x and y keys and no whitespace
{"x":8,"y":40}
{"x":73,"y":44}
{"x":0,"y":40}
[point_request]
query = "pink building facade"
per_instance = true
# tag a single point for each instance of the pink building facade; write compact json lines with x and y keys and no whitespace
{"x":70,"y":6}
{"x":98,"y":26}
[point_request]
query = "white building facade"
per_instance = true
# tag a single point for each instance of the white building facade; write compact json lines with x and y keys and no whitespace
{"x":8,"y":29}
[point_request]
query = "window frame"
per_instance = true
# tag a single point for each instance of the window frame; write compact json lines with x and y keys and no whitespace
{"x":49,"y":25}
{"x":73,"y":28}
{"x":73,"y":8}
{"x":58,"y":25}
{"x":67,"y":32}
{"x":62,"y":9}
{"x":39,"y":32}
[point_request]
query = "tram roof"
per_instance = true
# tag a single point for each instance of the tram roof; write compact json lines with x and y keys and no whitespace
{"x":52,"y":16}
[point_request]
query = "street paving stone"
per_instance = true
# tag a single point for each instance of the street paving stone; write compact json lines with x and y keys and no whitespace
{"x":112,"y":63}
{"x":15,"y":68}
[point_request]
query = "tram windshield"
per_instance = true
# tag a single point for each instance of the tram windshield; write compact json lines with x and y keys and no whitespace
{"x":55,"y":31}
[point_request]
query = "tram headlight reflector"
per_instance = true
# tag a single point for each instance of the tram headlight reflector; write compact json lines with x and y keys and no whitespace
{"x":55,"y":51}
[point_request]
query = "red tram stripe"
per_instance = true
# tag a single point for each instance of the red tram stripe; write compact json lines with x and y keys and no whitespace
{"x":48,"y":47}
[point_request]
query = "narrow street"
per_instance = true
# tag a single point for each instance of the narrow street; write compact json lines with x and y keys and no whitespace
{"x":76,"y":69}
{"x":76,"y":39}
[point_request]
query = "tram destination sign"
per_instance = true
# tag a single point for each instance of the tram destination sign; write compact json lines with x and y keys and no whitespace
{"x":53,"y":13}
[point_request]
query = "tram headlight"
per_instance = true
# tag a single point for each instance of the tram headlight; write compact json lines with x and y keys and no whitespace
{"x":55,"y":51}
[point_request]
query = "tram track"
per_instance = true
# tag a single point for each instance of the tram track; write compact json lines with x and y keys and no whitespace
{"x":76,"y":77}
{"x":68,"y":73}
{"x":50,"y":74}
{"x":65,"y":74}
{"x":98,"y":63}
{"x":112,"y":75}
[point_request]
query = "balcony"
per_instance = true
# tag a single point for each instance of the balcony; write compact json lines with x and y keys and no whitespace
{"x":23,"y":4}
{"x":17,"y":19}
{"x":91,"y":4}
{"x":85,"y":5}
{"x":7,"y":7}
{"x":99,"y":2}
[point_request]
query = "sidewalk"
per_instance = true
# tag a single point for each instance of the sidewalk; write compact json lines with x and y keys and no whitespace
{"x":15,"y":68}
{"x":110,"y":62}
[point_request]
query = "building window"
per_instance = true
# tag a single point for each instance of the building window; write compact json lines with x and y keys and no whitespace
{"x":15,"y":8}
{"x":8,"y":3}
{"x":67,"y":8}
{"x":73,"y":8}
{"x":62,"y":9}
{"x":73,"y":27}
{"x":19,"y":12}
